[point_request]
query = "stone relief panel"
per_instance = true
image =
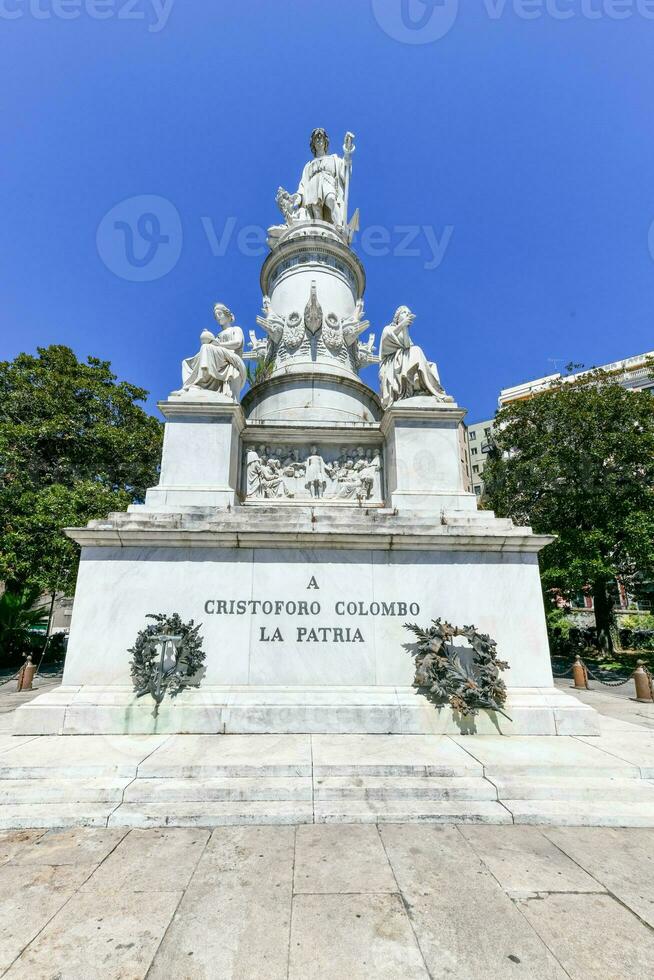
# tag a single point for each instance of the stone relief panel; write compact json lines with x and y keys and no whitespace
{"x":276,"y":472}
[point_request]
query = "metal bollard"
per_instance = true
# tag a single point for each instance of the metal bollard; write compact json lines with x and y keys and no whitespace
{"x":642,"y":680}
{"x":26,"y":675}
{"x":579,"y":673}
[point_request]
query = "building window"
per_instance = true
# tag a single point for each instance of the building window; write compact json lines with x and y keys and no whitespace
{"x":487,"y":433}
{"x":473,"y":451}
{"x":478,"y":491}
{"x":475,"y":469}
{"x":472,"y":435}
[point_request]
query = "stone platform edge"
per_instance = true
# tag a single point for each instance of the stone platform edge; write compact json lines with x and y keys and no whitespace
{"x":232,"y":710}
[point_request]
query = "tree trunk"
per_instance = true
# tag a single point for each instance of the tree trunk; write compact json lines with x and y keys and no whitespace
{"x":603,"y":617}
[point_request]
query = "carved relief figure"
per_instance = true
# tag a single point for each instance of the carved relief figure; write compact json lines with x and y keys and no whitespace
{"x":316,"y":474}
{"x":254,"y":470}
{"x":404,"y":370}
{"x":283,"y":471}
{"x":218,"y":366}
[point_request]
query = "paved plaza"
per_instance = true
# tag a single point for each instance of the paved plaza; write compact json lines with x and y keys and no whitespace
{"x":338,"y":902}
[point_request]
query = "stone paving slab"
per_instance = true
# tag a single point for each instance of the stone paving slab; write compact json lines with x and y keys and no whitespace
{"x":593,"y":936}
{"x":621,"y":861}
{"x":99,"y":934}
{"x":153,"y":861}
{"x":29,"y":897}
{"x":234,"y":920}
{"x":341,"y":859}
{"x":73,"y":847}
{"x":353,"y":936}
{"x":524,"y":861}
{"x":12,"y":842}
{"x":466,"y":925}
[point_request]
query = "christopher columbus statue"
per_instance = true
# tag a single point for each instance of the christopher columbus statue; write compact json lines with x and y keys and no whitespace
{"x":324,"y":185}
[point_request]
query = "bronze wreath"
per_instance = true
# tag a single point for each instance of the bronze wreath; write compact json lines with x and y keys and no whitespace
{"x":145,"y":657}
{"x":439,"y":669}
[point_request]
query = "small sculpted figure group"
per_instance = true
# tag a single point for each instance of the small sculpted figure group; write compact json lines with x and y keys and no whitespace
{"x":281,"y":472}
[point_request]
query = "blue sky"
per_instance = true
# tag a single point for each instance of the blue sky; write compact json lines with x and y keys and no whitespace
{"x":518,"y":151}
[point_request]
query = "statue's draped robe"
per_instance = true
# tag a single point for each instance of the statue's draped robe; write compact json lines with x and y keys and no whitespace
{"x":404,"y":370}
{"x":316,"y":472}
{"x":218,"y":365}
{"x":323,"y":176}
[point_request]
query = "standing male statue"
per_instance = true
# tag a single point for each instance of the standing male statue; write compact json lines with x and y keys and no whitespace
{"x":218,"y":366}
{"x":324,"y":186}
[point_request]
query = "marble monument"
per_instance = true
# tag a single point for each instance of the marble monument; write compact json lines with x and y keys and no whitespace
{"x":303,"y":523}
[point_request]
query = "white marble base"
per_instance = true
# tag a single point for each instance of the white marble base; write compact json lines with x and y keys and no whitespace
{"x":87,"y":710}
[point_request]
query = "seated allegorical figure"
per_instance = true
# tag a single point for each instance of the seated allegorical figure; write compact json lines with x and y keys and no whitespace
{"x":218,"y":366}
{"x":404,"y":370}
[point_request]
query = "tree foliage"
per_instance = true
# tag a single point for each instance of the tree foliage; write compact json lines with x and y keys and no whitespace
{"x":577,"y":461}
{"x":74,"y":445}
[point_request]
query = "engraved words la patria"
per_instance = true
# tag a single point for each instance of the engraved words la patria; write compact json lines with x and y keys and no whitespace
{"x":307,"y":631}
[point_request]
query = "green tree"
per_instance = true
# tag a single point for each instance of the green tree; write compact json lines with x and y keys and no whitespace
{"x":18,"y":620}
{"x":577,"y":461}
{"x":74,"y":445}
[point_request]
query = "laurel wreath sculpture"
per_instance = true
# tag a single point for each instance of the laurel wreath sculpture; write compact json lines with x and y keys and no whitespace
{"x":146,"y":657}
{"x":467,"y":687}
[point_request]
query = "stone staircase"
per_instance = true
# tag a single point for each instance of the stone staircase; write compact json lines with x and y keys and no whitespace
{"x":210,"y":781}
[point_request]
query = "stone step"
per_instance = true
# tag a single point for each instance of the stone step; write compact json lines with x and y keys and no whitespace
{"x":81,"y":790}
{"x":573,"y":813}
{"x":214,"y":814}
{"x":219,"y":789}
{"x":576,"y":790}
{"x":370,"y":788}
{"x":411,"y":811}
{"x":22,"y":816}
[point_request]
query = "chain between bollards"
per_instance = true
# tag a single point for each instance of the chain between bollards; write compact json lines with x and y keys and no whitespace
{"x":642,"y":678}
